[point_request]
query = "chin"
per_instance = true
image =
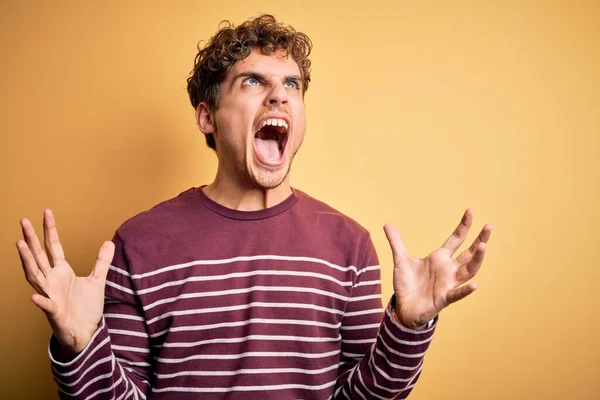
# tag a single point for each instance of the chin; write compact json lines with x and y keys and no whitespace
{"x":268,"y":178}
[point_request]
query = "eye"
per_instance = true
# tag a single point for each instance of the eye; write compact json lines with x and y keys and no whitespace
{"x":252,"y":82}
{"x":291,"y":85}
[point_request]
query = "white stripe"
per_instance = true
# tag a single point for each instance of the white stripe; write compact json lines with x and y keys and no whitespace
{"x":367,"y":389}
{"x":368,"y":283}
{"x":397,"y":366}
{"x":135,"y":372}
{"x":242,"y":258}
{"x":253,"y":337}
{"x":393,"y":391}
{"x":363,"y":312}
{"x":367,"y":269}
{"x":120,"y":271}
{"x":249,"y":371}
{"x":90,"y":354}
{"x":361,"y":298}
{"x":405,"y":355}
{"x":98,"y":362}
{"x":405,"y":329}
{"x":358,"y":341}
{"x":129,"y":348}
{"x":244,"y":323}
{"x":336,"y":392}
{"x":382,"y":373}
{"x":246,"y":290}
{"x":97,"y":392}
{"x":128,"y":333}
{"x":378,"y":386}
{"x":124,"y":316}
{"x":132,"y":391}
{"x":139,"y":391}
{"x":241,"y":275}
{"x":133,"y":363}
{"x":359,"y":392}
{"x":90,"y":382}
{"x":127,"y":382}
{"x":406,"y":342}
{"x":80,"y":355}
{"x":244,"y":307}
{"x":243,"y":388}
{"x":358,"y":327}
{"x":244,"y":355}
{"x":119,"y":287}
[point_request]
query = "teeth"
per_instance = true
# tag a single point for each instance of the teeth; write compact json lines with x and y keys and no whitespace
{"x":275,"y":122}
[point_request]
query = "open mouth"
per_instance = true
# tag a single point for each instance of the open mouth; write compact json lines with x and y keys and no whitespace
{"x":270,"y":140}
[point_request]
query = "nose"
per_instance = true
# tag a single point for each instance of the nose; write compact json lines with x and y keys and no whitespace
{"x":278,"y":95}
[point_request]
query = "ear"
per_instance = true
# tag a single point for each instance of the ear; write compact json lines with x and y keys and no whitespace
{"x":205,"y":119}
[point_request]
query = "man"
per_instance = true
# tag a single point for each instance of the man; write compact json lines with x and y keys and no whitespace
{"x":245,"y":288}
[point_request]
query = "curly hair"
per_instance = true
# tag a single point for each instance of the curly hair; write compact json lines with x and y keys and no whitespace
{"x":231,"y":44}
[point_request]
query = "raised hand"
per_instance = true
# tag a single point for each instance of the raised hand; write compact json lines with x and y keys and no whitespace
{"x":425,"y":286}
{"x":72,"y":304}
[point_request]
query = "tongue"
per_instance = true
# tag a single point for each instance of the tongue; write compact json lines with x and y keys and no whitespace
{"x":267,"y":150}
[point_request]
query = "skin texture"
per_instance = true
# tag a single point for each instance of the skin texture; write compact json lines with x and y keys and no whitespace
{"x":243,"y":182}
{"x":425,"y":286}
{"x":258,"y":87}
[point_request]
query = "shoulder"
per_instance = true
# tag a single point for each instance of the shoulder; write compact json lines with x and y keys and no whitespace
{"x":166,"y":214}
{"x":343,"y":238}
{"x":329,"y":216}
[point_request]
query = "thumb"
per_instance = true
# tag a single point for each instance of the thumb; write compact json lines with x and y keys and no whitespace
{"x":396,"y":244}
{"x":44,"y":304}
{"x":105,"y":256}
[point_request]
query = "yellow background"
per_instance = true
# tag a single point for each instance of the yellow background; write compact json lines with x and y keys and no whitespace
{"x":417,"y":110}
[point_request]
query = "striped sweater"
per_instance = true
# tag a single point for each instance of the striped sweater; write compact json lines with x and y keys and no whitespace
{"x":207,"y":302}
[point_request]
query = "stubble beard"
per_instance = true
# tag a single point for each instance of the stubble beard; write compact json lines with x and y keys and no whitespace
{"x":266,"y":178}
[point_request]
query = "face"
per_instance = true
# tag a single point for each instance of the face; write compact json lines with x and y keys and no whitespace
{"x":260,"y":120}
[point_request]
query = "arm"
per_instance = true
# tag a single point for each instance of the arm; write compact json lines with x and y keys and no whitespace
{"x":422,"y":288}
{"x":116,"y":363}
{"x":92,"y":356}
{"x":379,"y":359}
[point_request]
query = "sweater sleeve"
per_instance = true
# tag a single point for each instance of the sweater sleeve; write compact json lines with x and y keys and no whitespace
{"x":380,"y":359}
{"x":116,"y":363}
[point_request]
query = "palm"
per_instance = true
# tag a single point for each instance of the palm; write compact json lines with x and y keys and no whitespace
{"x":72,"y":304}
{"x":423,"y":287}
{"x":78,"y":302}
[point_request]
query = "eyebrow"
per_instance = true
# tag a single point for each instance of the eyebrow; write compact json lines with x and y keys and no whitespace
{"x":262,"y":77}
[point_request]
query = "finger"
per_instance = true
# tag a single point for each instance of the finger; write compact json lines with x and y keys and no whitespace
{"x":396,"y":244}
{"x":33,"y":274}
{"x":45,"y":304}
{"x":469,"y":270}
{"x":460,"y":233}
{"x":105,"y":256}
{"x":34,"y":245}
{"x":483,"y":237}
{"x":460,"y":293}
{"x":51,"y":240}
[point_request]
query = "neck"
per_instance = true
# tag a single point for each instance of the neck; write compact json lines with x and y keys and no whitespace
{"x":243,"y":196}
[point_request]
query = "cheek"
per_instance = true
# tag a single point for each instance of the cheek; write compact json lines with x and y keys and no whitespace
{"x":232,"y":126}
{"x":300,"y":127}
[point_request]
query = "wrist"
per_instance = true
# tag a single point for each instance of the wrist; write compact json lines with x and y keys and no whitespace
{"x":413,"y":325}
{"x":75,"y":341}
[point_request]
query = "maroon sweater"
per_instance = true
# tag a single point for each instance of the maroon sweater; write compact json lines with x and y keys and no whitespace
{"x":207,"y":302}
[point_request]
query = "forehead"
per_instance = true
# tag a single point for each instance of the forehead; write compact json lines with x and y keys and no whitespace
{"x":275,"y":64}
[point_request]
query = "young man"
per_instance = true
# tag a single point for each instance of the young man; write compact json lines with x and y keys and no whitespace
{"x":245,"y":288}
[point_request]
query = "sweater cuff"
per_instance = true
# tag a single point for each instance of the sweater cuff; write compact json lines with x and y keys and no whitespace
{"x":397,"y":333}
{"x":63,"y":361}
